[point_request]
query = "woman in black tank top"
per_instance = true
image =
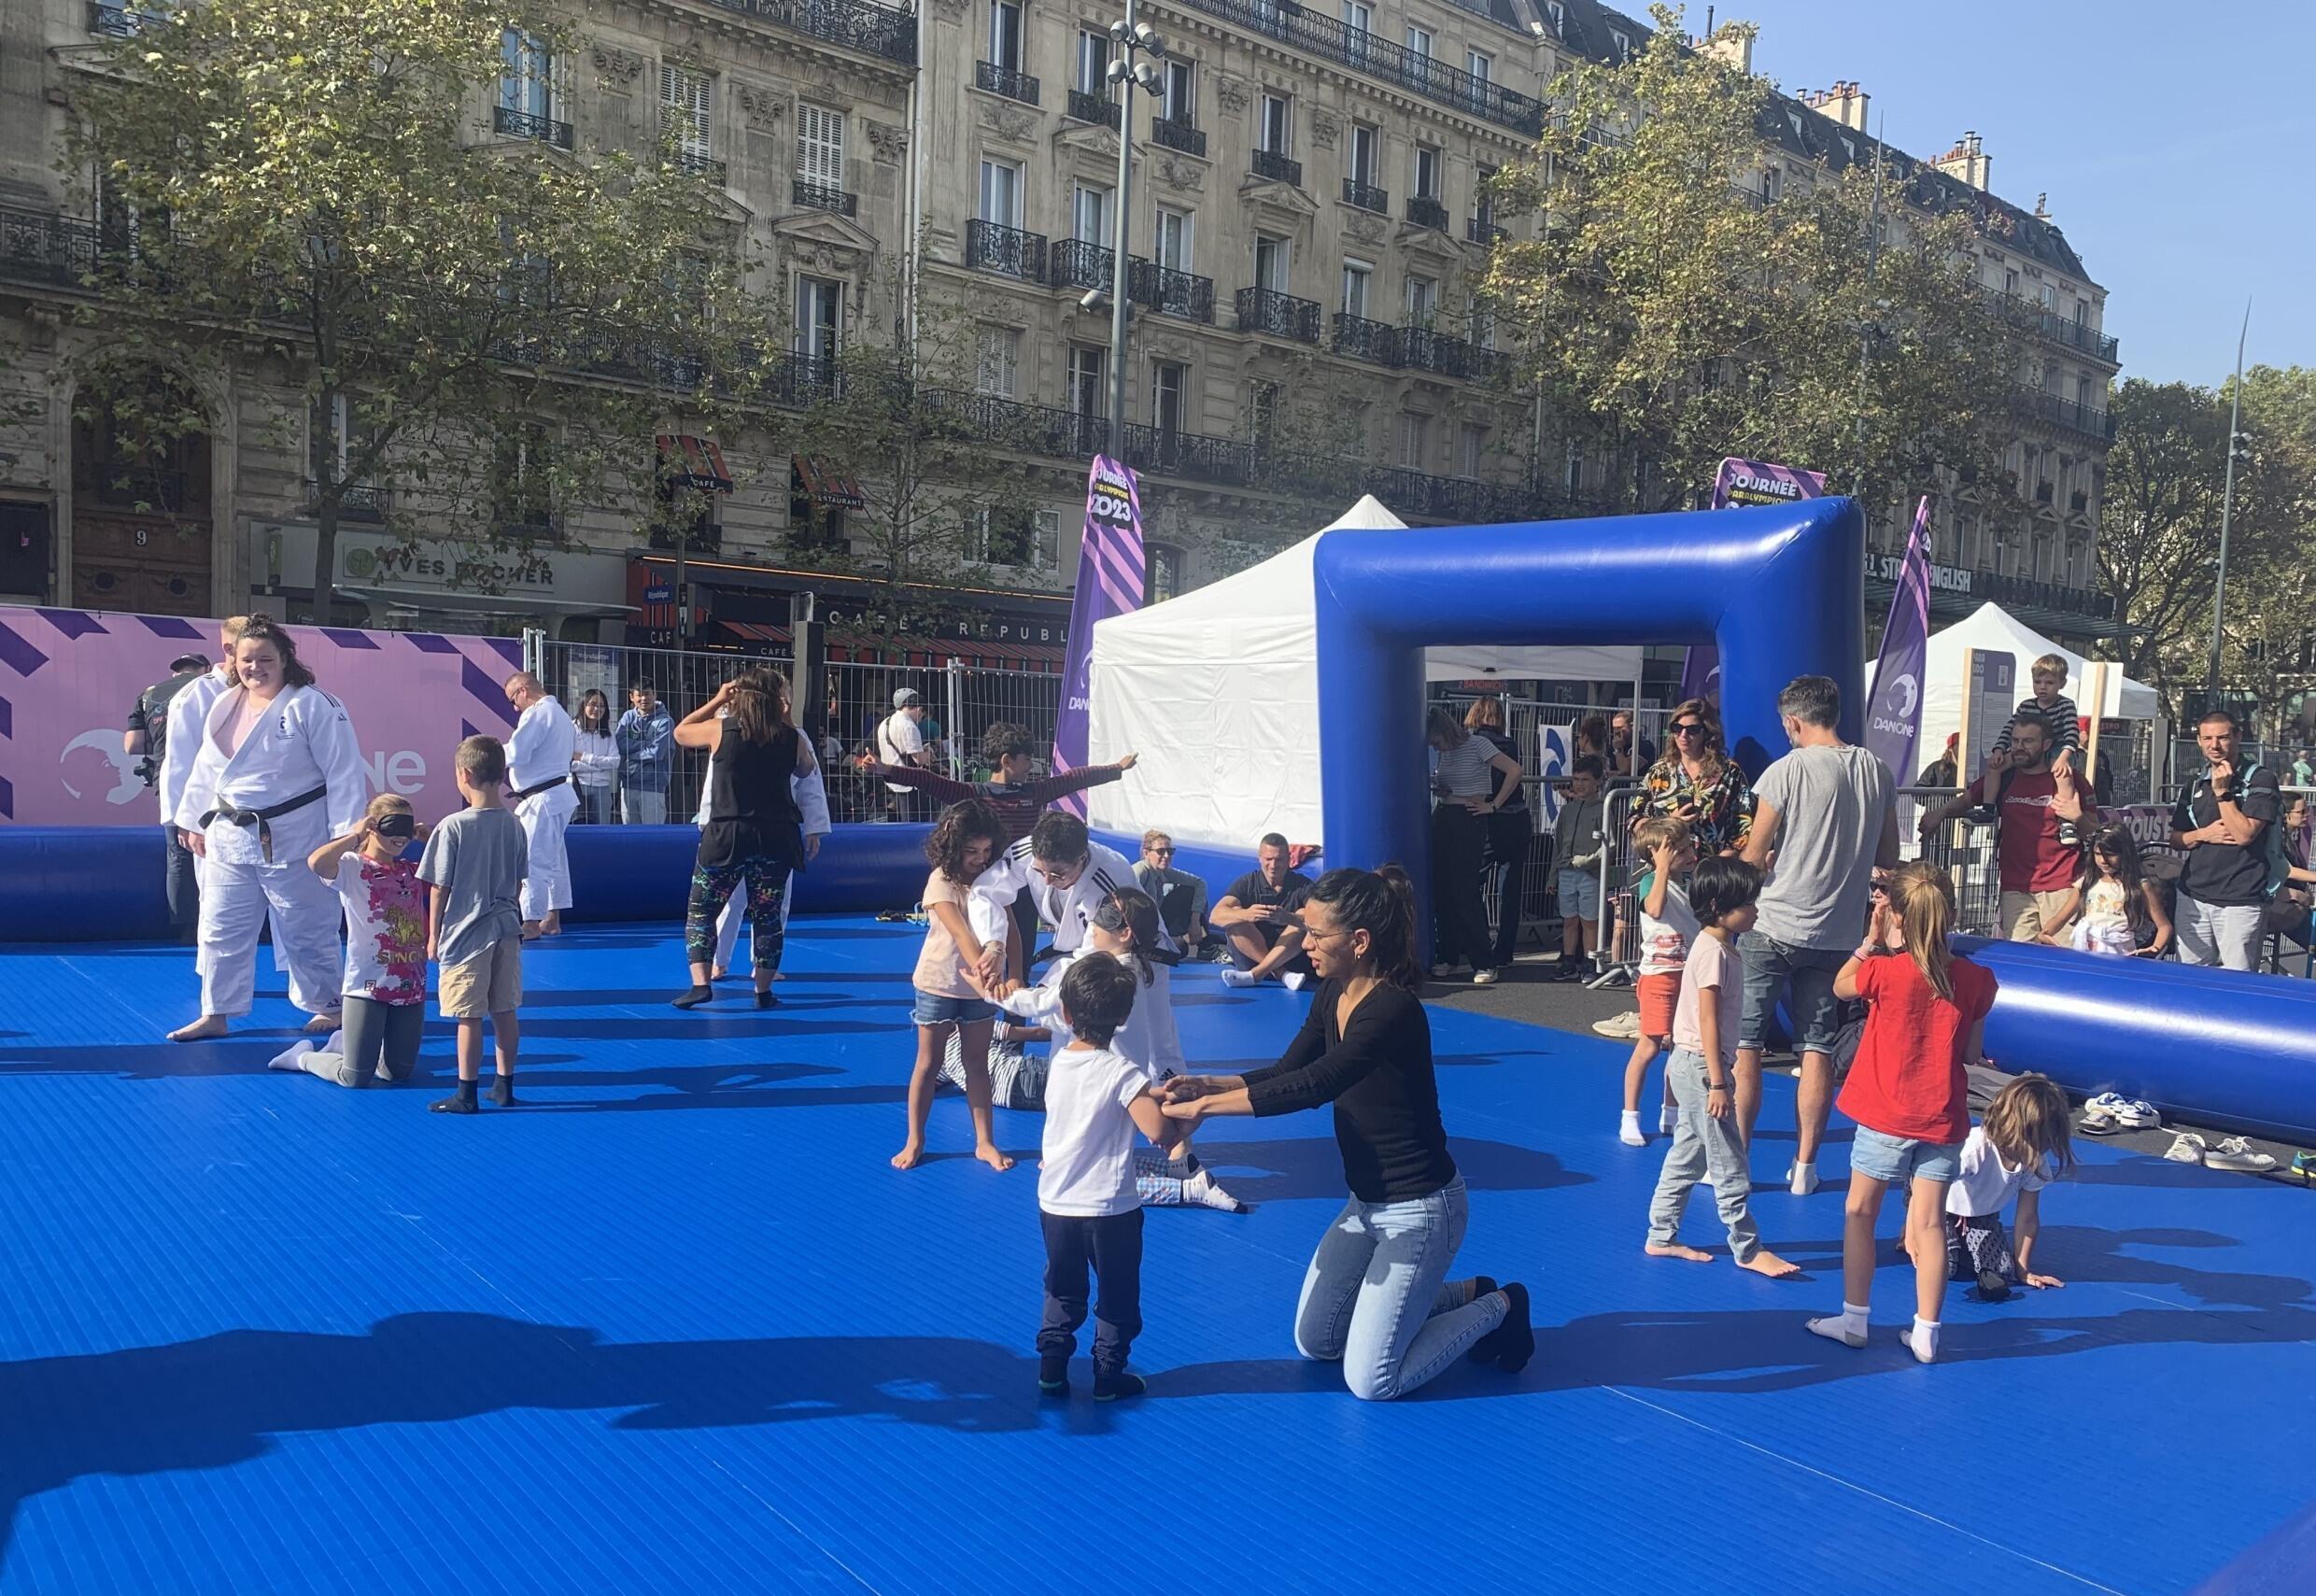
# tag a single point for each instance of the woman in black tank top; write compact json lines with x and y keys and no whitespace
{"x":754,"y":832}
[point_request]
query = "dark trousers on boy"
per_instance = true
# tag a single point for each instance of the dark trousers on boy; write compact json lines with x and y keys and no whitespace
{"x":1111,"y":1246}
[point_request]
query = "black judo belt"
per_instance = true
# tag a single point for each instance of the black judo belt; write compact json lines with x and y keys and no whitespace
{"x":258,"y":817}
{"x":519,"y":793}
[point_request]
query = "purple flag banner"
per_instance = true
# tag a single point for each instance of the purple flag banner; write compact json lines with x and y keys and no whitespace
{"x":1894,"y":706}
{"x":1743,"y":482}
{"x":1110,"y":583}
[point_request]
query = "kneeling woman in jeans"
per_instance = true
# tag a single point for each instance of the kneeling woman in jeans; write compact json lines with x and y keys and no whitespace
{"x":1376,"y":1298}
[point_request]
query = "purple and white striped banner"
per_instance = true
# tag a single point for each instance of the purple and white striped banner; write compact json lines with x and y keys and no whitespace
{"x":1110,"y":583}
{"x":1739,"y":483}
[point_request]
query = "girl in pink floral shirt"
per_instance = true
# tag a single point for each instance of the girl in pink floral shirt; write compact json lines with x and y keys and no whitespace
{"x":385,"y":909}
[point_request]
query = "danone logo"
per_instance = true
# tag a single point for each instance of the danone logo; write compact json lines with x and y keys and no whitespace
{"x":1904,"y":692}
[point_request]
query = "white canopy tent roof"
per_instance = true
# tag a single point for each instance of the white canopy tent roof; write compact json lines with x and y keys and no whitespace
{"x":1994,"y":628}
{"x":1217,"y":691}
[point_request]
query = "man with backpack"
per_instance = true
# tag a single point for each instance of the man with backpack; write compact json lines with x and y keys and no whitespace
{"x":2226,"y":824}
{"x":148,"y":735}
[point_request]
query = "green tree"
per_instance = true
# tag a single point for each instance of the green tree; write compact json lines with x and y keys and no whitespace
{"x":482,"y":325}
{"x":1678,"y":319}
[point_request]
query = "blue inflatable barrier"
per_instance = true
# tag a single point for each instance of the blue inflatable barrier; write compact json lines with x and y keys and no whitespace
{"x":83,"y":883}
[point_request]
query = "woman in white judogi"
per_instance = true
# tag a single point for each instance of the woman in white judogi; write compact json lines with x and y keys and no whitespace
{"x":278,"y":773}
{"x":811,"y":801}
{"x":540,"y":792}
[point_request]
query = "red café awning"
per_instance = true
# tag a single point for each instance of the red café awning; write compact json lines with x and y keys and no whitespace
{"x":823,"y":483}
{"x":686,"y":461}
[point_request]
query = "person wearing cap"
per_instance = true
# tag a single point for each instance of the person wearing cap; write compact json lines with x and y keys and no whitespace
{"x":901,"y":741}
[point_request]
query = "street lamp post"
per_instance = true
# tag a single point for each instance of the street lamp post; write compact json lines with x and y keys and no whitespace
{"x":2235,"y":450}
{"x":1133,"y":37}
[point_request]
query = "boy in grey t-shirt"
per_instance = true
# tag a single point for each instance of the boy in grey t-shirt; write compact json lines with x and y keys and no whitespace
{"x":1826,"y":813}
{"x":475,"y":862}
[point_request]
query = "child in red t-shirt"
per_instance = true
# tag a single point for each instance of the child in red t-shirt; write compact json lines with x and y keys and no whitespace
{"x":1909,"y":1090}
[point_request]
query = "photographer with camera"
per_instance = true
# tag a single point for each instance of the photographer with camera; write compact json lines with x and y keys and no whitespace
{"x":149,"y":736}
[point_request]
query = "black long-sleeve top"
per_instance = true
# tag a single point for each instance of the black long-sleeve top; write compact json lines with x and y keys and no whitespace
{"x":1379,"y":1076}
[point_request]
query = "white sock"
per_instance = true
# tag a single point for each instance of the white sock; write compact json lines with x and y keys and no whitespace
{"x":1670,"y":1120}
{"x":1802,"y":1178}
{"x":1237,"y":977}
{"x":1849,"y":1325}
{"x":1922,"y":1339}
{"x":1629,"y":1129}
{"x":293,"y":1056}
{"x":1292,"y":981}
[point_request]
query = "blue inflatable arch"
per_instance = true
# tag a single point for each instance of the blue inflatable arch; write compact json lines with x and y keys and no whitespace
{"x":1780,"y":589}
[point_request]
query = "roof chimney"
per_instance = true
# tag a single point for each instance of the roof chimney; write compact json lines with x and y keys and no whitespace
{"x":1845,"y":103}
{"x":1732,"y":48}
{"x":1968,"y":161}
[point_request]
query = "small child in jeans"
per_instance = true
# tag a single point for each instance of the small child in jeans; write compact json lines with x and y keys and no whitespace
{"x":2025,"y":1142}
{"x":385,"y":984}
{"x":1700,"y":1074}
{"x":957,"y":974}
{"x":1667,"y":927}
{"x":1909,"y":1090}
{"x":1087,"y":1204}
{"x":475,"y":862}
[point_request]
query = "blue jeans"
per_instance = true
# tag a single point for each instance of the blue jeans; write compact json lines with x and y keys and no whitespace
{"x":932,"y":1009}
{"x":1770,"y":968}
{"x":1377,"y":1298}
{"x":1901,"y":1161}
{"x":594,"y":804}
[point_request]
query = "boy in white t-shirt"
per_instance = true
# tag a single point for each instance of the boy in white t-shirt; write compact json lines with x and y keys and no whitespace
{"x":1086,"y":1198}
{"x":1668,"y":927}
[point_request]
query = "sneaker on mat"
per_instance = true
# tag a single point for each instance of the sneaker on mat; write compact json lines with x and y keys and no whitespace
{"x":2239,"y":1154}
{"x":1483,"y":978}
{"x":1619,"y":1027}
{"x":2186,"y":1148}
{"x":2139,"y":1115}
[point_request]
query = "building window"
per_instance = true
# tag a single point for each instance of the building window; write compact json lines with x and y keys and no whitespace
{"x":1366,"y":154}
{"x":1092,"y":63}
{"x":2052,"y":382}
{"x":1089,"y":215}
{"x":1178,"y":104}
{"x":1172,"y":240}
{"x":1089,"y":380}
{"x":1422,"y":301}
{"x":2082,"y":392}
{"x":1559,"y":15}
{"x":1162,"y":573}
{"x":1001,"y":193}
{"x":1357,"y":18}
{"x":1415,"y":440}
{"x":1272,"y":263}
{"x":526,"y":75}
{"x":1419,"y":43}
{"x":1013,"y":535}
{"x":1428,"y":167}
{"x":2049,"y":296}
{"x":999,"y":356}
{"x":1263,"y":414}
{"x":1168,"y":381}
{"x":2083,"y":313}
{"x":820,"y":145}
{"x":1278,"y":126}
{"x":683,"y":110}
{"x":1471,"y":448}
{"x":1005,"y":34}
{"x":818,"y":315}
{"x":2010,"y":281}
{"x":1770,"y":181}
{"x":1482,"y":65}
{"x":1357,"y":276}
{"x":1623,"y":41}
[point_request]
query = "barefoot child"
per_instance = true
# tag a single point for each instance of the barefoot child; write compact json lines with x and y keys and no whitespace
{"x":386,"y":919}
{"x":1087,"y":1205}
{"x":1909,"y":1090}
{"x":1668,"y":927}
{"x":2024,"y":1144}
{"x":956,"y":976}
{"x":475,"y":862}
{"x":1704,"y":1055}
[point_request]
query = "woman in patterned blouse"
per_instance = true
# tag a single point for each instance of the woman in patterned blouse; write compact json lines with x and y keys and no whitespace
{"x":1697,"y":782}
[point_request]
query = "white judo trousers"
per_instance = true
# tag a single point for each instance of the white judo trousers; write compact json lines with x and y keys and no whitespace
{"x":302,"y":742}
{"x":811,"y":799}
{"x":541,"y":748}
{"x":189,"y":719}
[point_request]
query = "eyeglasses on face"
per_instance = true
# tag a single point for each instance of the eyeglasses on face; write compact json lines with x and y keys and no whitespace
{"x":1159,"y":851}
{"x":1683,"y":729}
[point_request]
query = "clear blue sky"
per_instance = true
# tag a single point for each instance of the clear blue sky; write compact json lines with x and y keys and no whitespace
{"x":2177,"y":142}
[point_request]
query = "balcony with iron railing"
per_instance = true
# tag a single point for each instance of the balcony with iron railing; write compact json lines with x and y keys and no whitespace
{"x":508,"y":122}
{"x":1281,"y":316}
{"x":697,"y":165}
{"x":1083,"y":107}
{"x":1077,"y":263}
{"x":2059,"y":412}
{"x":1278,"y":167}
{"x":1365,"y":340}
{"x":1422,"y":350}
{"x":1426,"y":212}
{"x":1169,"y":291}
{"x":2075,"y":335}
{"x":1007,"y":251}
{"x":803,"y":379}
{"x":1169,"y":133}
{"x":1419,"y":74}
{"x":810,"y":195}
{"x":1366,"y":196}
{"x":119,"y":21}
{"x":363,"y":503}
{"x":41,"y":247}
{"x":1483,"y":232}
{"x":886,"y":31}
{"x":1009,"y":81}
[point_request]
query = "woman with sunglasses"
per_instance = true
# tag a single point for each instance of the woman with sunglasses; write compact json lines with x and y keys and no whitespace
{"x":1698,"y":783}
{"x":1376,"y":1297}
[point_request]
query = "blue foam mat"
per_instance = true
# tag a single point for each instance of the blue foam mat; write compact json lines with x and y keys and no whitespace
{"x":678,"y":1327}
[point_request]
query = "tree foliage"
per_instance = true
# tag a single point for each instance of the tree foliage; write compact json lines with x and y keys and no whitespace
{"x":1678,"y":319}
{"x":481,"y":330}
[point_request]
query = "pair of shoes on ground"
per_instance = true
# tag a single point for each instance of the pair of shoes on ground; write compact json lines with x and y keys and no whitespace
{"x":2110,"y":1112}
{"x":2234,"y":1154}
{"x":1053,"y":1380}
{"x":694,"y":996}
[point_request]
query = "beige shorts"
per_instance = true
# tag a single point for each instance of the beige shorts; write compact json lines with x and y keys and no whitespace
{"x":490,"y":982}
{"x":2030,"y":917}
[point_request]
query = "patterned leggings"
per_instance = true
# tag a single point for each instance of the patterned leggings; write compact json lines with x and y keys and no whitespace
{"x":711,"y":885}
{"x":1976,"y":1243}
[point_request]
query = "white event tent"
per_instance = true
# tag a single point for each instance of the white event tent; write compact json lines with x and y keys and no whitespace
{"x":1992,"y":628}
{"x":1217,"y":691}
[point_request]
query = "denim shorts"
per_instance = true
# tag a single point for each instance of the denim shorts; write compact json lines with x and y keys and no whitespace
{"x":1900,"y":1160}
{"x":1580,"y":895}
{"x":1771,"y":968}
{"x":934,"y":1010}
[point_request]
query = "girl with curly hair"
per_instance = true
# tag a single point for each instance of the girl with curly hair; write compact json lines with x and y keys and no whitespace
{"x":956,"y":977}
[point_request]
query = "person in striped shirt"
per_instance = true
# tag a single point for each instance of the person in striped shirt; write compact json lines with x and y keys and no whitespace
{"x":2049,"y":705}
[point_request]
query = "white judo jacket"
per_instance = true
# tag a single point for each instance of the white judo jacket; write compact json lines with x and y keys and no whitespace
{"x":302,"y":743}
{"x":545,"y":741}
{"x":1067,"y":909}
{"x":188,"y":717}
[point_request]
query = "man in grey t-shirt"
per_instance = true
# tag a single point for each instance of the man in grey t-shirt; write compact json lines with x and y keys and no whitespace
{"x":1827,"y":815}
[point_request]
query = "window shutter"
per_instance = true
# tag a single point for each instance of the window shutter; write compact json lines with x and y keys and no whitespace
{"x":820,"y":145}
